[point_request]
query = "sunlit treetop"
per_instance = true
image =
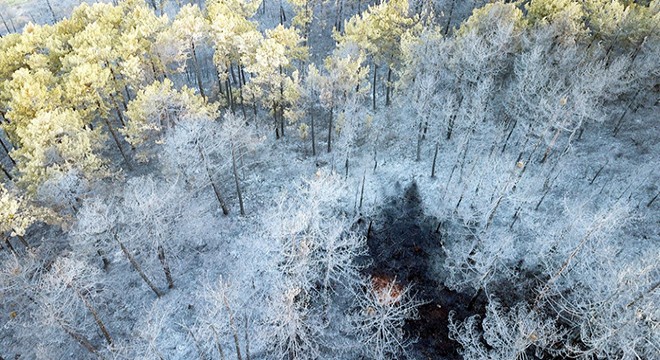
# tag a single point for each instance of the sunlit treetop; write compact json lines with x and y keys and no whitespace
{"x":487,"y":19}
{"x":135,"y":44}
{"x":378,"y":30}
{"x":239,"y":8}
{"x":55,"y":142}
{"x":29,"y":92}
{"x":160,"y":106}
{"x":17,"y":213}
{"x":86,"y":87}
{"x":235,"y":37}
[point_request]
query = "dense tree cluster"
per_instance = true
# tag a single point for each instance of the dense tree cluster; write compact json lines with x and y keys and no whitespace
{"x":151,"y":204}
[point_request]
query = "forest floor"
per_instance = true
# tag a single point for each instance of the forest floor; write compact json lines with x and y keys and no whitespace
{"x":395,"y":205}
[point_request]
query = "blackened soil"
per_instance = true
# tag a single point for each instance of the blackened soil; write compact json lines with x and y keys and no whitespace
{"x":406,"y":245}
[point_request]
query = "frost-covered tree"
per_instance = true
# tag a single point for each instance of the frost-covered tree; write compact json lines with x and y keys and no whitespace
{"x":149,"y":210}
{"x":235,"y":39}
{"x":515,"y":333}
{"x":160,"y":107}
{"x":275,"y":82}
{"x":17,"y":214}
{"x":237,"y":139}
{"x":291,"y":332}
{"x":341,"y":86}
{"x":383,"y":308}
{"x":187,"y":33}
{"x":378,"y":31}
{"x":56,"y":142}
{"x":97,"y":234}
{"x":69,"y":287}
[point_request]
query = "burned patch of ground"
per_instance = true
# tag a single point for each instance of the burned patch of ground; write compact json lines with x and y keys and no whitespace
{"x":406,"y":245}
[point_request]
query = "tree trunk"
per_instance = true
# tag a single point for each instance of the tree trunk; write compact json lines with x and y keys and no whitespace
{"x":116,"y":139}
{"x":282,"y":14}
{"x":78,"y":338}
{"x":137,"y":267}
{"x":247,"y":340}
{"x":311,"y":115}
{"x":435,"y":156}
{"x":418,"y":151}
{"x":451,"y":10}
{"x":232,"y":324}
{"x":277,"y":124}
{"x":241,"y":83}
{"x":373,"y":87}
{"x":196,"y":66}
{"x":221,"y":200}
{"x":330,"y":130}
{"x":7,"y":174}
{"x":118,"y":109}
{"x":7,"y":151}
{"x":5,"y":22}
{"x":548,"y":150}
{"x":238,"y":185}
{"x":364,"y":177}
{"x":387,"y":86}
{"x":21,"y":238}
{"x":218,"y":346}
{"x":52,"y":13}
{"x":95,"y":315}
{"x":648,"y":205}
{"x":10,"y":246}
{"x":166,"y":266}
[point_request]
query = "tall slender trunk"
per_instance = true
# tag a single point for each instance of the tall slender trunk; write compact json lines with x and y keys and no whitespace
{"x":52,"y":13}
{"x":277,"y":125}
{"x":548,"y":150}
{"x":77,"y":337}
{"x":241,"y":83}
{"x":238,"y":185}
{"x":166,"y":266}
{"x":311,"y":115}
{"x":137,"y":267}
{"x":216,"y":191}
{"x":373,"y":87}
{"x":13,"y":26}
{"x":218,"y":346}
{"x":118,"y":109}
{"x":196,"y":66}
{"x":282,"y":14}
{"x":5,"y":22}
{"x":330,"y":130}
{"x":435,"y":156}
{"x":233,"y":326}
{"x":7,"y":151}
{"x":95,"y":315}
{"x":7,"y":174}
{"x":451,"y":10}
{"x":116,"y":139}
{"x":387,"y":86}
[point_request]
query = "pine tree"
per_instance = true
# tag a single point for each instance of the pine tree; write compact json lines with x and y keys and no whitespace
{"x":235,"y":39}
{"x":55,"y":142}
{"x":188,"y":32}
{"x":377,"y":31}
{"x":17,"y":214}
{"x":159,"y":107}
{"x":275,"y":84}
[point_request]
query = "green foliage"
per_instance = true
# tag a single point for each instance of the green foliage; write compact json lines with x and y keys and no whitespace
{"x":17,"y":214}
{"x":379,"y":29}
{"x":487,"y":19}
{"x":160,"y":106}
{"x":55,"y":142}
{"x":275,"y":81}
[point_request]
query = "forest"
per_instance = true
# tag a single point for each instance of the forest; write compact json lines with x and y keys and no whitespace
{"x":316,"y":179}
